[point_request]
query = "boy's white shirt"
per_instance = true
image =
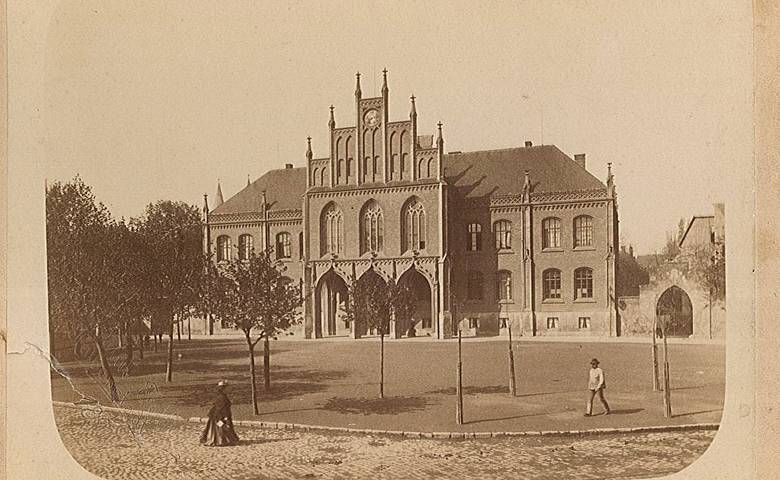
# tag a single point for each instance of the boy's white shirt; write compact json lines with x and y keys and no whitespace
{"x":597,"y":377}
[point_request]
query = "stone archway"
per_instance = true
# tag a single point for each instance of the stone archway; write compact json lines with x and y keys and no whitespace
{"x":330,"y":299}
{"x":676,"y":303}
{"x":422,"y":319}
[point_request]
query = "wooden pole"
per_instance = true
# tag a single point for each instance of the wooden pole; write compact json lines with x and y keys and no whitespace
{"x":189,"y":328}
{"x":667,"y":393}
{"x":656,"y":386}
{"x":382,"y":363}
{"x":512,"y":385}
{"x":459,"y":392}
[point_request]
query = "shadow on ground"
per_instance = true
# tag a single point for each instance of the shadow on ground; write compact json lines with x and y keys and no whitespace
{"x":376,"y":406}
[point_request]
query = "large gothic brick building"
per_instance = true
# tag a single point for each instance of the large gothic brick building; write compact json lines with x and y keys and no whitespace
{"x":524,"y":237}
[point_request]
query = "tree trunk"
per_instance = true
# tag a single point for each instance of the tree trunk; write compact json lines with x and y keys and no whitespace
{"x":512,"y":385}
{"x":459,"y":386}
{"x":141,"y":347}
{"x":266,"y":364}
{"x":129,"y":350}
{"x":189,"y":328}
{"x":667,"y":383}
{"x":178,"y":330}
{"x":382,"y":363}
{"x":154,"y":343}
{"x":252,"y":374}
{"x":106,"y":369}
{"x":656,"y":386}
{"x":169,"y":363}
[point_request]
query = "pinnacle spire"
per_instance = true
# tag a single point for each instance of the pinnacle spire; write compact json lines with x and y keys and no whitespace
{"x":247,"y":180}
{"x":205,"y":202}
{"x":413,"y":112}
{"x":332,"y":121}
{"x":219,"y":199}
{"x":384,"y":80}
{"x":358,"y":93}
{"x":308,"y":148}
{"x":440,"y":138}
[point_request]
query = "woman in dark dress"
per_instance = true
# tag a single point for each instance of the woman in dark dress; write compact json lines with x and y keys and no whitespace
{"x":219,"y":430}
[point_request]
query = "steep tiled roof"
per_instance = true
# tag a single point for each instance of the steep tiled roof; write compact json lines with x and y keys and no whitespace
{"x":501,"y":172}
{"x":284,"y":189}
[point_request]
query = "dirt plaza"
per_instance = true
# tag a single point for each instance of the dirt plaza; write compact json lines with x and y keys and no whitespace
{"x":335,"y":383}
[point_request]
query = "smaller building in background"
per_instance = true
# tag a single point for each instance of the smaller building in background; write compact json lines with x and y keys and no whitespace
{"x":688,"y":289}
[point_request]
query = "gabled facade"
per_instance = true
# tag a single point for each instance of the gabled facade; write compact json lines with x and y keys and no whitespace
{"x":522,"y":237}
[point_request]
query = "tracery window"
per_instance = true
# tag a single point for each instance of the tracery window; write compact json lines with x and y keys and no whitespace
{"x":331,"y":230}
{"x":475,"y":237}
{"x":583,"y":283}
{"x":414,"y":226}
{"x":373,"y":228}
{"x":283,"y":245}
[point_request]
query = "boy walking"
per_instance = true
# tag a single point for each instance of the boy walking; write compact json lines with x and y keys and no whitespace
{"x":596,"y":384}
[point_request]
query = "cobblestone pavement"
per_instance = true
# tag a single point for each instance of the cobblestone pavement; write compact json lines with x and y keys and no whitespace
{"x":116,"y":446}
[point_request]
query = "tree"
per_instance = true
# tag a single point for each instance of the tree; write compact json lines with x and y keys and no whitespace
{"x":374,"y":303}
{"x":254,"y":296}
{"x":90,"y":291}
{"x":171,"y":232}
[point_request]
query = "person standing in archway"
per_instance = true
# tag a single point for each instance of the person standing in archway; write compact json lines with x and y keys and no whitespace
{"x":596,"y":384}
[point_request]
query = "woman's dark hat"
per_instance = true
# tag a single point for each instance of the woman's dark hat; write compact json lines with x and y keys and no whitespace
{"x":594,"y":361}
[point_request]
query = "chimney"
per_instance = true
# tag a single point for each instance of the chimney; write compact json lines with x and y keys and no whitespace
{"x":529,"y":143}
{"x":580,"y":159}
{"x":288,"y":166}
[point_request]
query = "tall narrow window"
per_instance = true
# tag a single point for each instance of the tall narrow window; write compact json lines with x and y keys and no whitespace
{"x":331,"y":230}
{"x":551,"y":284}
{"x":283,"y":245}
{"x":223,"y":248}
{"x":373,"y":228}
{"x":475,"y":237}
{"x":504,"y":285}
{"x":551,"y":233}
{"x":414,"y":227}
{"x":583,"y":283}
{"x":503,"y":232}
{"x":245,"y":246}
{"x":583,"y":231}
{"x":474,"y":285}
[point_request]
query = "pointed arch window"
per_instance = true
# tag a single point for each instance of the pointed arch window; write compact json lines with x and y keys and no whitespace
{"x":414,"y":226}
{"x":245,"y":246}
{"x":551,"y":233}
{"x":283,"y":245}
{"x":503,"y":231}
{"x":475,"y":237}
{"x":583,"y":231}
{"x":223,"y":248}
{"x":373,"y":228}
{"x":331,"y":230}
{"x":583,"y":283}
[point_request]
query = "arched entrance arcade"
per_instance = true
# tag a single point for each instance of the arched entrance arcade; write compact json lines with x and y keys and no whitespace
{"x":675,"y":305}
{"x":330,"y":300}
{"x":421,"y":322}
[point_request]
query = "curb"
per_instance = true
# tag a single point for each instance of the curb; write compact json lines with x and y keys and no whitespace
{"x":397,"y":433}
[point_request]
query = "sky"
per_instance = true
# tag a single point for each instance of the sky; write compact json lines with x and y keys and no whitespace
{"x":150,"y":101}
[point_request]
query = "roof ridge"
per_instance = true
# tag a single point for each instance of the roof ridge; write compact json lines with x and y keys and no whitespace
{"x":506,"y":149}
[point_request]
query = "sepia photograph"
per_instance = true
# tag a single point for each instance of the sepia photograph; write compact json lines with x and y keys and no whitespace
{"x":385,"y":240}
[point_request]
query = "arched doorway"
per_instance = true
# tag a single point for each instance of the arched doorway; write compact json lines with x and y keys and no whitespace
{"x":421,"y":322}
{"x":676,"y":304}
{"x":330,"y":302}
